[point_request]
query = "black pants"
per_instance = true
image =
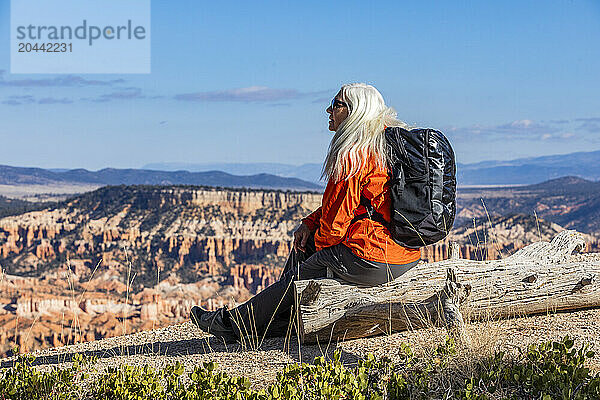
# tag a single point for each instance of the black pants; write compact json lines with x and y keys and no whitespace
{"x":268,"y":312}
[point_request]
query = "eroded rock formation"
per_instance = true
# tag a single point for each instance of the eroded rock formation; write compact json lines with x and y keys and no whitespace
{"x":129,"y":258}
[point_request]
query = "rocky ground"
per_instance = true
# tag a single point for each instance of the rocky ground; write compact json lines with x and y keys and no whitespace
{"x":261,"y":361}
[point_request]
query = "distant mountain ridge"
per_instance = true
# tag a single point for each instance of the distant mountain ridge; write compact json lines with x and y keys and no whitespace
{"x":112,"y":176}
{"x":570,"y":202}
{"x":531,"y":170}
{"x":522,"y":171}
{"x":310,"y":172}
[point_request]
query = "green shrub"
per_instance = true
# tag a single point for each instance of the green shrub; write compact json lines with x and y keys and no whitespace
{"x":207,"y":383}
{"x":329,"y":379}
{"x":129,"y":383}
{"x":25,"y":382}
{"x":546,"y":371}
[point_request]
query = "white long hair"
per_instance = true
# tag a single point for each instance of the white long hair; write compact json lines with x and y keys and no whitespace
{"x":361,"y":134}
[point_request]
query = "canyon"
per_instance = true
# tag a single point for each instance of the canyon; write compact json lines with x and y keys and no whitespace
{"x":126,"y":258}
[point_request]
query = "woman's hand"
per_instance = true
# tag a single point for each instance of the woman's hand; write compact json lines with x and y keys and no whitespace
{"x":301,"y":236}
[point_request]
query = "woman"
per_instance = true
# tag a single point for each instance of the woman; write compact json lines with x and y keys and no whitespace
{"x":357,"y":250}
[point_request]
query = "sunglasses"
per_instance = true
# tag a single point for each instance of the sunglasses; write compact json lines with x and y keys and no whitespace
{"x":335,"y":103}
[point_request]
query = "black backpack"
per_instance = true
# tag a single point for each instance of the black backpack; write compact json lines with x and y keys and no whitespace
{"x":423,"y":187}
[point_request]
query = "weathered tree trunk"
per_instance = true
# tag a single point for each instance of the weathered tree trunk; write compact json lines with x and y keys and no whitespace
{"x":536,"y":279}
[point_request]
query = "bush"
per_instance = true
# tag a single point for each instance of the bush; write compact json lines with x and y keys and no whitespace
{"x":129,"y":383}
{"x":547,"y":371}
{"x":24,"y":382}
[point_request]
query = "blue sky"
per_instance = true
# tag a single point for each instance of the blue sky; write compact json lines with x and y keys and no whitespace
{"x":249,"y":82}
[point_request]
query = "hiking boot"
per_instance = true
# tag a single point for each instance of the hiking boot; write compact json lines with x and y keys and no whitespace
{"x":214,"y":322}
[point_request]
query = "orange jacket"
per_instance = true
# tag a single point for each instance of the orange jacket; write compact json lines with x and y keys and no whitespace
{"x":366,"y":238}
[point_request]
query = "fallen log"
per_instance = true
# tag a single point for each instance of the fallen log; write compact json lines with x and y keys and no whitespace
{"x":539,"y":278}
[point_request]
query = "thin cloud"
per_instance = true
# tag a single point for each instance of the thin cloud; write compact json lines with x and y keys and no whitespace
{"x":525,"y":126}
{"x":524,"y":129}
{"x":23,"y":98}
{"x":592,"y":119}
{"x":127,"y":93}
{"x":520,"y":124}
{"x":17,"y":100}
{"x":11,"y":102}
{"x":29,"y":99}
{"x":252,"y":94}
{"x":591,"y":125}
{"x":558,"y":136}
{"x":53,"y":100}
{"x":59,"y":81}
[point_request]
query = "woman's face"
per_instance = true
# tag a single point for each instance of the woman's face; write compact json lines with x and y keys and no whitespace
{"x":338,"y":111}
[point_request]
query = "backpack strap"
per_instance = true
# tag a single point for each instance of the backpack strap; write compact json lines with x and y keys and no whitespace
{"x":371,"y":213}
